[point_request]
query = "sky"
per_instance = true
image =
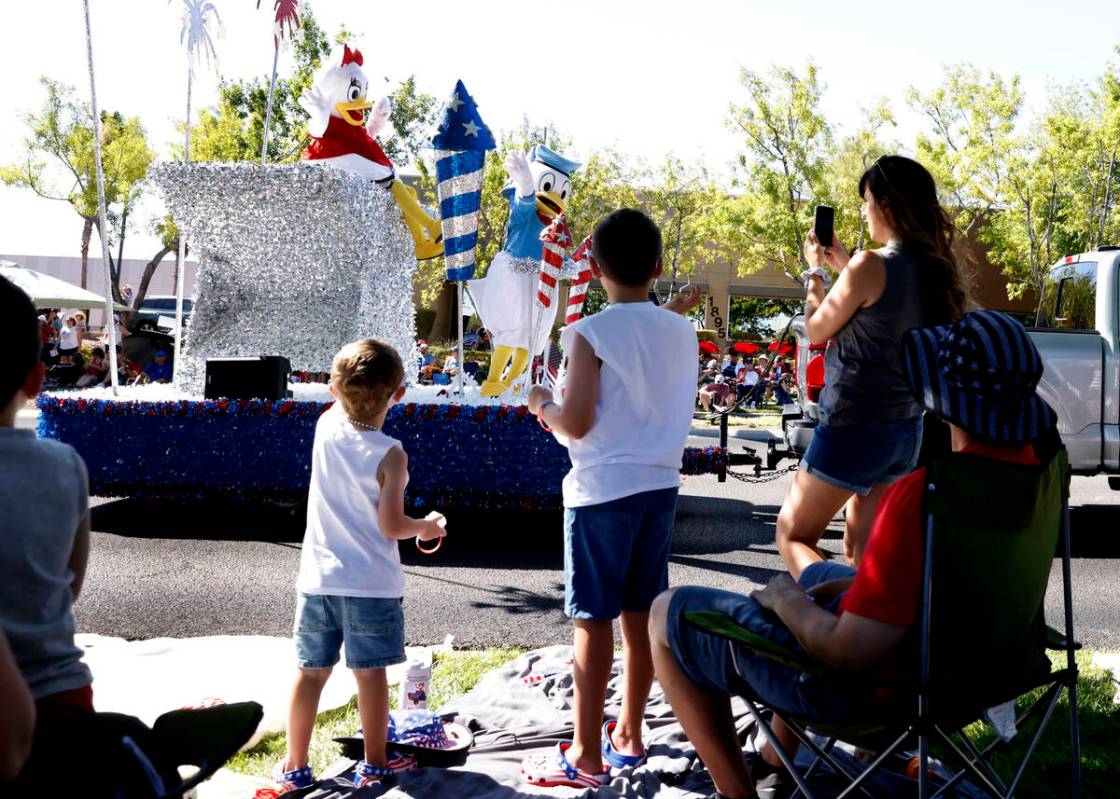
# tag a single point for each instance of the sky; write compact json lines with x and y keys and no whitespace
{"x":647,"y":78}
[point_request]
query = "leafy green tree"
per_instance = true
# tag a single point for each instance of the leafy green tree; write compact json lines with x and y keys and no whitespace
{"x":58,"y":164}
{"x":972,"y":118}
{"x":786,"y":142}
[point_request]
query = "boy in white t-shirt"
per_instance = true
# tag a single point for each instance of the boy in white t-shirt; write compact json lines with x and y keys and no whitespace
{"x":350,"y":580}
{"x":624,"y":414}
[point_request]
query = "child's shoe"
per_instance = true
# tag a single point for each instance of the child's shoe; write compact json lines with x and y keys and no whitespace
{"x":367,"y":773}
{"x":292,"y":780}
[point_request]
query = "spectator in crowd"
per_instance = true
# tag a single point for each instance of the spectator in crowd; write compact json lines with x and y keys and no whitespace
{"x":126,"y":295}
{"x":731,"y":368}
{"x":127,"y":369}
{"x":47,"y":339}
{"x":44,"y":503}
{"x":80,"y":317}
{"x":68,"y":342}
{"x":96,"y":369}
{"x":715,"y":395}
{"x":747,"y":383}
{"x":870,"y":425}
{"x":451,"y":364}
{"x":425,"y":361}
{"x":158,"y":369}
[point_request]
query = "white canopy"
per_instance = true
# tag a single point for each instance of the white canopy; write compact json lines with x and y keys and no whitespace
{"x":52,"y":292}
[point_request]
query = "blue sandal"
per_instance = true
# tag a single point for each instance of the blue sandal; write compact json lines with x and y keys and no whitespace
{"x":614,"y":758}
{"x":367,"y":773}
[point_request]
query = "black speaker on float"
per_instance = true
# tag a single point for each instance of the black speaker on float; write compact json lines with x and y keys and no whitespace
{"x":256,"y":377}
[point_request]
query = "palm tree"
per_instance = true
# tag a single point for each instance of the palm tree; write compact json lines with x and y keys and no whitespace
{"x":196,"y":34}
{"x":105,"y":261}
{"x":287,"y":11}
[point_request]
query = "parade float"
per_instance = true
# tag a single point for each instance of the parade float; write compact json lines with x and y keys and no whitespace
{"x":297,"y":260}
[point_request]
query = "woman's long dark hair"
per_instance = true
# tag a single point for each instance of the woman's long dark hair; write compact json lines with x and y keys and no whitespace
{"x":906,"y":188}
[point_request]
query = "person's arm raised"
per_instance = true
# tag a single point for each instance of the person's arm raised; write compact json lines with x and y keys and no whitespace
{"x":847,"y":641}
{"x":392,"y":474}
{"x":572,"y":419}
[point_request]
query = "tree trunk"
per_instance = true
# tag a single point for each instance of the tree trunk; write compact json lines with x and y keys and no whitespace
{"x":145,"y":279}
{"x":87,"y":231}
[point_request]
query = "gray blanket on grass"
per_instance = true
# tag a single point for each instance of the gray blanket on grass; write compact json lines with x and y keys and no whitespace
{"x":526,"y":706}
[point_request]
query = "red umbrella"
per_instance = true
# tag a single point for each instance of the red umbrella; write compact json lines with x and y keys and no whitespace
{"x":708,"y":347}
{"x":745,"y":347}
{"x":778,"y":347}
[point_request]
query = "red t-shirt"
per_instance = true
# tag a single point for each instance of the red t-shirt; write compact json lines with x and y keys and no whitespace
{"x":888,"y":584}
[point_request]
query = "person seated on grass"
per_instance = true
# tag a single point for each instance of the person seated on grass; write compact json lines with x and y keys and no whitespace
{"x":44,"y":504}
{"x":96,"y":369}
{"x":850,"y":619}
{"x":716,"y":394}
{"x":425,"y":362}
{"x":128,"y":371}
{"x":158,"y":369}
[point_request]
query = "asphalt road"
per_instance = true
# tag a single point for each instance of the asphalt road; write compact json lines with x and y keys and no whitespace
{"x":158,"y":569}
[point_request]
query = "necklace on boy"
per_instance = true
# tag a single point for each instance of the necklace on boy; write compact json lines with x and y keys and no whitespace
{"x":363,"y":425}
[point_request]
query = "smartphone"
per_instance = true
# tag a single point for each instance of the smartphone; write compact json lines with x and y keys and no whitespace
{"x":822,"y":224}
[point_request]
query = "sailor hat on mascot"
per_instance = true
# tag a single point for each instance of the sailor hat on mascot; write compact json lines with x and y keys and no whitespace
{"x":538,"y":191}
{"x":341,"y":136}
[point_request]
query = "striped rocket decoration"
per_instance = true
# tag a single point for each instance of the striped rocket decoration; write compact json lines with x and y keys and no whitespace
{"x":460,"y":141}
{"x":577,"y":290}
{"x":556,"y":239}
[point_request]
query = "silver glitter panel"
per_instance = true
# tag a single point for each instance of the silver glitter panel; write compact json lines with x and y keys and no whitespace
{"x":294,"y":260}
{"x":524,"y":266}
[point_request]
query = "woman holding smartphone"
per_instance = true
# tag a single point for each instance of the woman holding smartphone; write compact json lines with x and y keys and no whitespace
{"x":870,"y":427}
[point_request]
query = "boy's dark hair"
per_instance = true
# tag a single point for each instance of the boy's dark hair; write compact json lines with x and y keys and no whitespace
{"x":627,"y":245}
{"x":19,"y":330}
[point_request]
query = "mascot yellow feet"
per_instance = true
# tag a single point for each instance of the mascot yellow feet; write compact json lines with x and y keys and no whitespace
{"x":496,"y":383}
{"x":425,"y":230}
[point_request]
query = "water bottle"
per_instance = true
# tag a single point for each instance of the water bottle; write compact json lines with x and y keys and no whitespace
{"x":415,"y":686}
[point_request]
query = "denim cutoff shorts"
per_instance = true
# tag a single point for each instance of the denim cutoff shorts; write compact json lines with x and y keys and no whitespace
{"x":715,"y":662}
{"x":616,"y":554}
{"x":371,"y":628}
{"x":856,"y":457}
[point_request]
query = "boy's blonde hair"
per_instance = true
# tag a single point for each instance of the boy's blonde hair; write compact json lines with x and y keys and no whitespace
{"x":364,"y":375}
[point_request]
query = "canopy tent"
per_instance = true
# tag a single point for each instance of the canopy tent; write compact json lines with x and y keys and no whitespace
{"x":51,"y":292}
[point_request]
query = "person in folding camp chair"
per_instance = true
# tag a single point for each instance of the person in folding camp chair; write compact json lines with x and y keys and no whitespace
{"x":980,"y":376}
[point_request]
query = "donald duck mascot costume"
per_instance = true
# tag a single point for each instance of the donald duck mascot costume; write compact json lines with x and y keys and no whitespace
{"x":538,"y":191}
{"x":336,"y":105}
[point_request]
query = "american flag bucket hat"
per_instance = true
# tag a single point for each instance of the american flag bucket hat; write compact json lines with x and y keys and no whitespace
{"x":979,"y":374}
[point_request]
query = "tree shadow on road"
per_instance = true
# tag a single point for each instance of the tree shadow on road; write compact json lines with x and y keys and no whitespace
{"x":210,"y":520}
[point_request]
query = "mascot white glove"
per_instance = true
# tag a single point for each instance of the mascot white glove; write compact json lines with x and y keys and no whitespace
{"x":318,"y":110}
{"x":517,"y":166}
{"x":378,"y":116}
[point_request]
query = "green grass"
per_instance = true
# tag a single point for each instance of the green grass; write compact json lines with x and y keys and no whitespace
{"x":453,"y":674}
{"x":457,"y":672}
{"x":1049,"y":772}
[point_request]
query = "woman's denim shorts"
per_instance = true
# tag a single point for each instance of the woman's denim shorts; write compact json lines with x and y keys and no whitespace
{"x":856,"y":457}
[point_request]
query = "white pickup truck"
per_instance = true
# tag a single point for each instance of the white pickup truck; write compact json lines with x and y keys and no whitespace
{"x":1077,"y":331}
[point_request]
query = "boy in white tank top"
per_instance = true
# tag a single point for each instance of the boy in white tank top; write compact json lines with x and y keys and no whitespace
{"x":350,"y":580}
{"x":624,"y":415}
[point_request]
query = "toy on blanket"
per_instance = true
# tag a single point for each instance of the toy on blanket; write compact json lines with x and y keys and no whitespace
{"x":422,"y":733}
{"x":538,"y":192}
{"x":341,"y":136}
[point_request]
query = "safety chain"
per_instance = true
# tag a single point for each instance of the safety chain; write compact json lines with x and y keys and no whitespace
{"x":777,"y":474}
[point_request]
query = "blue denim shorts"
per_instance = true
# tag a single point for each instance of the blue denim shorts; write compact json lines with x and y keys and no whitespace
{"x":371,"y":628}
{"x":856,"y":457}
{"x":714,"y":662}
{"x":616,"y":554}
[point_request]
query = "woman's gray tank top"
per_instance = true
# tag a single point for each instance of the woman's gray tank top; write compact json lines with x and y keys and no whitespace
{"x":864,"y":379}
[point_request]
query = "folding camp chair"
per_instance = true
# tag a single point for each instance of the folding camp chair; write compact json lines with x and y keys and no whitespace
{"x":991,"y":531}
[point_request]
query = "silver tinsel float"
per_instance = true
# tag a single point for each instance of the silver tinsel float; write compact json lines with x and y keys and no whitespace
{"x":294,"y":260}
